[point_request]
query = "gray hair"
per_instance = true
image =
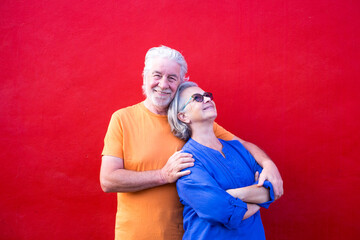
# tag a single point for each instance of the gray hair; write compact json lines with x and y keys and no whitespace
{"x":179,"y":128}
{"x":165,"y":52}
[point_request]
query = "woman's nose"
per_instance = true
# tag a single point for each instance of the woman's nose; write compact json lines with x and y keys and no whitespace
{"x":206,"y":99}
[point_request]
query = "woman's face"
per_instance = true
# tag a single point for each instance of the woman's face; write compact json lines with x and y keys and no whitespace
{"x":197,"y":111}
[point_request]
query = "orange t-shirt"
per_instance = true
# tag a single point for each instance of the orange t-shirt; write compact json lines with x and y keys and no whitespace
{"x":145,"y":142}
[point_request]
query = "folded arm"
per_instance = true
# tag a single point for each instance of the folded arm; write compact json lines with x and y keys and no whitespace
{"x":201,"y":192}
{"x":251,"y":194}
{"x":252,"y":209}
{"x":254,"y":194}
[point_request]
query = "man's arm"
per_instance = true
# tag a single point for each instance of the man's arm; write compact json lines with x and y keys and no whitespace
{"x":270,"y":171}
{"x":114,"y":178}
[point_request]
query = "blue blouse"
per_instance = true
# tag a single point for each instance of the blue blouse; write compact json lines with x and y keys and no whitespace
{"x":209,"y":211}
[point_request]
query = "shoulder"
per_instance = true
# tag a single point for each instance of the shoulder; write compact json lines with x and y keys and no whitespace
{"x":197,"y":150}
{"x":191,"y":147}
{"x":236,"y":148}
{"x":127,"y":111}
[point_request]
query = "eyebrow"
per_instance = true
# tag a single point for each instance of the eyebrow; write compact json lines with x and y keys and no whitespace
{"x":170,"y":75}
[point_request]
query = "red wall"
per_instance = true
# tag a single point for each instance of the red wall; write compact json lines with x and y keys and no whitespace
{"x":285,"y":75}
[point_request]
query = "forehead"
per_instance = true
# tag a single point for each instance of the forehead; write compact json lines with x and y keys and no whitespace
{"x":187,"y":93}
{"x":164,"y":66}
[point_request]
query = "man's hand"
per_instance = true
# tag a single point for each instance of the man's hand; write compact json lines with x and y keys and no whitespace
{"x":272,"y":174}
{"x":174,"y":166}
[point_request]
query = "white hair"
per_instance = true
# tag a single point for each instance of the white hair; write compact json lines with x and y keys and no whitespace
{"x":164,"y":52}
{"x":179,"y":128}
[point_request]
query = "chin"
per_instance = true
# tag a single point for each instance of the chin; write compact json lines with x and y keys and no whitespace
{"x":214,"y":116}
{"x":211,"y":116}
{"x":211,"y":112}
{"x":161,"y":102}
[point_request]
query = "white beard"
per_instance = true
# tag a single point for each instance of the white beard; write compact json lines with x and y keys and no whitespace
{"x":159,"y":101}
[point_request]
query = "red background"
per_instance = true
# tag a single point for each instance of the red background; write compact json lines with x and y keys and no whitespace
{"x":285,"y":76}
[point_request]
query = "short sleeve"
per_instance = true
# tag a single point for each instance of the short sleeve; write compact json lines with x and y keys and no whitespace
{"x":221,"y":133}
{"x":113,"y":141}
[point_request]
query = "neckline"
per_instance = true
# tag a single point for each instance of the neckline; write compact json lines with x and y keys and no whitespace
{"x":142,"y":105}
{"x":221,"y":153}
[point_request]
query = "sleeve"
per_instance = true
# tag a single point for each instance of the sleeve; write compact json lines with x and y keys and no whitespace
{"x":113,"y":141}
{"x":267,"y":185}
{"x":201,"y":192}
{"x":221,"y":133}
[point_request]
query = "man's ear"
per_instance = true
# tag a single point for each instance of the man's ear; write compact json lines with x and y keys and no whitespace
{"x":183,"y":117}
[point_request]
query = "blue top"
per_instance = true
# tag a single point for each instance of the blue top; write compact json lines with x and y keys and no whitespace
{"x":209,"y":211}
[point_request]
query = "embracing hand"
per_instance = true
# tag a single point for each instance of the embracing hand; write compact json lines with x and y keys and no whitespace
{"x":174,"y":166}
{"x":272,"y":174}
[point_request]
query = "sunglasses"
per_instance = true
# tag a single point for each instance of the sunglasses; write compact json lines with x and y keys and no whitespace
{"x":198,"y":98}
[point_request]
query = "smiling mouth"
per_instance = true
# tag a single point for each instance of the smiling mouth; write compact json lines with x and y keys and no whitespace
{"x":161,"y":92}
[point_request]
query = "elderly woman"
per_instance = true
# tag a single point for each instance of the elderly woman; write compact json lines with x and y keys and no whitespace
{"x":220,"y":197}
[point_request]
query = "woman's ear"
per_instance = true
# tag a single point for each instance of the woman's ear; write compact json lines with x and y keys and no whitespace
{"x":183,"y":117}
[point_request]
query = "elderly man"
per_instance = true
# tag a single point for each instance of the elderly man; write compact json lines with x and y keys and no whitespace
{"x":141,"y":158}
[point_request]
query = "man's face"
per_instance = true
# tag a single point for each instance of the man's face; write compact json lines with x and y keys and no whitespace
{"x":161,"y":82}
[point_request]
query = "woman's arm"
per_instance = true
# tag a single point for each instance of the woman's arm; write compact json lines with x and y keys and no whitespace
{"x":251,"y":194}
{"x":200,"y":191}
{"x":252,"y":209}
{"x":262,"y":196}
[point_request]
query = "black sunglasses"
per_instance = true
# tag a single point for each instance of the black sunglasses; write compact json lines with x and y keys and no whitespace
{"x":198,"y":98}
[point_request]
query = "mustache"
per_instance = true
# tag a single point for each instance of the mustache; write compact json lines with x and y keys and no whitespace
{"x":162,"y":91}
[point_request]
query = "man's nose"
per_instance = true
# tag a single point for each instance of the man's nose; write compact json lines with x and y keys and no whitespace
{"x":163,"y":83}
